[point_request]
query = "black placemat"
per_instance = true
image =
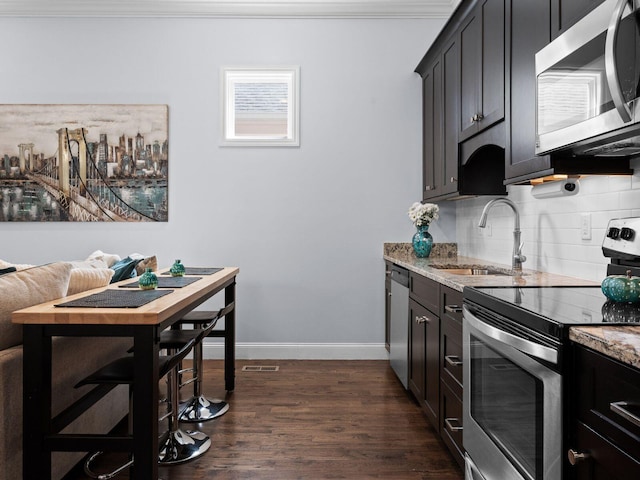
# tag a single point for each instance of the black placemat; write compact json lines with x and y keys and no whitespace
{"x":199,"y":270}
{"x":117,"y":299}
{"x":167,"y":282}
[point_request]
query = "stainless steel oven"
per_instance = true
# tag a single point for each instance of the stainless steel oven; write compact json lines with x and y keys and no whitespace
{"x":512,"y":400}
{"x":587,"y":85}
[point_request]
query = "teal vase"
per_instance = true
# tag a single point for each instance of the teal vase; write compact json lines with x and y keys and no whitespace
{"x":177,"y":269}
{"x":148,"y":280}
{"x":422,"y":242}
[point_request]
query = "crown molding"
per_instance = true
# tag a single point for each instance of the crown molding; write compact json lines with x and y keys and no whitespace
{"x":230,"y":8}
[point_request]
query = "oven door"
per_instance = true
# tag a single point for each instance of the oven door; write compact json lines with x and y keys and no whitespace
{"x":512,"y":409}
{"x":587,"y":85}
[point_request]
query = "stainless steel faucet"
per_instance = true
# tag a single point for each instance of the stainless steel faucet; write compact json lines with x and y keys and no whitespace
{"x":517,"y":259}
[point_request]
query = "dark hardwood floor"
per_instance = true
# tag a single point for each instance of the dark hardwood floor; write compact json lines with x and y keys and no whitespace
{"x":314,"y":420}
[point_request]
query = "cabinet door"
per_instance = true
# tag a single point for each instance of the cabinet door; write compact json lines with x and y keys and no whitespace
{"x":482,"y":68}
{"x":565,"y":13}
{"x":417,"y":350}
{"x":432,"y":137}
{"x":528,"y":31}
{"x":450,"y":113}
{"x":432,"y":369}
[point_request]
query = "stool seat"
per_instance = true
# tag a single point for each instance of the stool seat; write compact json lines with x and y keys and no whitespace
{"x":200,"y":316}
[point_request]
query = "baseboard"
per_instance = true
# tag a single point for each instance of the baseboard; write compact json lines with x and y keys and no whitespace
{"x":300,"y":351}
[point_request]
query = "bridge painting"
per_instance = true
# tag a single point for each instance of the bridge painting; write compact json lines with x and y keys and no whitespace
{"x":84,"y":163}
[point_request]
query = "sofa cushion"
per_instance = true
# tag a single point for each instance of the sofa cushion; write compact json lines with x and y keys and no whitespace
{"x":25,"y":288}
{"x":88,"y":278}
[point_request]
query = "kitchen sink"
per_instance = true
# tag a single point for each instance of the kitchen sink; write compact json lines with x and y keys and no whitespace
{"x":457,"y":269}
{"x":474,"y":271}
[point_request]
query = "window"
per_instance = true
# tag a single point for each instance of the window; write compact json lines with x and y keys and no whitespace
{"x":260,"y":106}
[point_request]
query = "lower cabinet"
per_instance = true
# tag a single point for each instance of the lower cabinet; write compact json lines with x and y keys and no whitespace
{"x":435,"y":357}
{"x":424,"y":346}
{"x":604,"y":423}
{"x":451,"y":371}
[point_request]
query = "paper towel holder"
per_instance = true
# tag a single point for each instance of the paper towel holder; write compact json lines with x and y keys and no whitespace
{"x":556,"y":188}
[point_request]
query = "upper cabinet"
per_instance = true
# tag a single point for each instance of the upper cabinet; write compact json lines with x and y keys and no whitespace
{"x":440,"y":121}
{"x":527,"y":31}
{"x":565,"y":13}
{"x":445,"y":174}
{"x":481,"y":41}
{"x":479,"y":99}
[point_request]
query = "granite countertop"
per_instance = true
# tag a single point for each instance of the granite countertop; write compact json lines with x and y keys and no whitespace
{"x":445,"y":255}
{"x":620,"y":342}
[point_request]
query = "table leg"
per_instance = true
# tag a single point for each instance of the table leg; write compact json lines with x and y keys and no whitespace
{"x":36,"y":404}
{"x":230,"y":340}
{"x":145,"y":404}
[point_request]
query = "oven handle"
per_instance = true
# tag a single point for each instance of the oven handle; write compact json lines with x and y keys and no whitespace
{"x":610,"y":66}
{"x":525,"y":346}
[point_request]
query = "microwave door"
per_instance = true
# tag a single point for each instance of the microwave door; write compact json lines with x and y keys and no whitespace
{"x":620,"y":58}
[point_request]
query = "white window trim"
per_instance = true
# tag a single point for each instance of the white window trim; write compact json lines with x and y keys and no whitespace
{"x":230,"y":76}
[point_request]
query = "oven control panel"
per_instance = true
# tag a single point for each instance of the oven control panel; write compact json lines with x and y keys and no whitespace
{"x":621,"y":239}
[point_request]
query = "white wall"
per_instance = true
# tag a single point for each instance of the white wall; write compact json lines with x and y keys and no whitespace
{"x":305,"y":225}
{"x":551,"y":227}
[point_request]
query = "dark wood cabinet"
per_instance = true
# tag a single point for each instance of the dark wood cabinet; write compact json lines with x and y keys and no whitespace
{"x":604,"y":440}
{"x":440,"y":134}
{"x":481,"y":40}
{"x":527,"y":31}
{"x":565,"y":13}
{"x":424,"y":345}
{"x":451,"y":371}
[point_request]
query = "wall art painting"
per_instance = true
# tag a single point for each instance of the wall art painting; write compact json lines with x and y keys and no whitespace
{"x":81,"y":163}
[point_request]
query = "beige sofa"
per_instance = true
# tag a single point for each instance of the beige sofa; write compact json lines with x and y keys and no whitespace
{"x":73,"y":359}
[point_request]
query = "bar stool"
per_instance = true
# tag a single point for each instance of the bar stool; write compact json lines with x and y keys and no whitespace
{"x":176,"y":445}
{"x":198,"y":408}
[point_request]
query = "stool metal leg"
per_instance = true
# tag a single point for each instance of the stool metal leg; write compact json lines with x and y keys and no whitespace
{"x":178,"y":445}
{"x":199,"y":408}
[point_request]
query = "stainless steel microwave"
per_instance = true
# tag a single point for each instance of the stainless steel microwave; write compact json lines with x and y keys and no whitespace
{"x":587,"y":85}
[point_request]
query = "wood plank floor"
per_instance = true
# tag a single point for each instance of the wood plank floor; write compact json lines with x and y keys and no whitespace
{"x":314,"y":420}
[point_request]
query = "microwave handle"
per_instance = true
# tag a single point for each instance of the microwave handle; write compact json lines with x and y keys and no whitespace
{"x":526,"y":346}
{"x":610,"y":61}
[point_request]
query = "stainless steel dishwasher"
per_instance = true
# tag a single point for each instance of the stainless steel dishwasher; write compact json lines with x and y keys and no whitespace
{"x":399,"y":323}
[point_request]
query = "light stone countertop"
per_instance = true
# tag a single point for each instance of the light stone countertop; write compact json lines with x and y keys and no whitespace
{"x":445,"y":255}
{"x":619,"y":342}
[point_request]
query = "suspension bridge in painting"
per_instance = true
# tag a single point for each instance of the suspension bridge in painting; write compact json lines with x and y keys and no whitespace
{"x":73,"y":179}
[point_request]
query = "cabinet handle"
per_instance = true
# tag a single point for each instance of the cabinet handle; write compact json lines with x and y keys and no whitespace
{"x":453,"y":308}
{"x":618,"y":407}
{"x":576,"y":457}
{"x":453,"y":179}
{"x":453,"y":360}
{"x":449,"y":424}
{"x":477,"y":117}
{"x":428,"y":188}
{"x":423,"y":319}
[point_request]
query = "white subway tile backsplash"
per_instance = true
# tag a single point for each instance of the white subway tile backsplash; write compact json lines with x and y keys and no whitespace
{"x":551,"y":228}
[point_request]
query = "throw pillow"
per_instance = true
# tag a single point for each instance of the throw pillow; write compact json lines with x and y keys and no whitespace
{"x":26,"y":288}
{"x":83,"y":279}
{"x":149,"y":262}
{"x":124,"y":269}
{"x":109,"y":258}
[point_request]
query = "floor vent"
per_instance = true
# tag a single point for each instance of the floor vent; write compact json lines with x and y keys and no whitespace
{"x":260,"y":368}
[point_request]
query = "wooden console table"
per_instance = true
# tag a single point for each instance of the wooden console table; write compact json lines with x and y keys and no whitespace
{"x":41,"y":432}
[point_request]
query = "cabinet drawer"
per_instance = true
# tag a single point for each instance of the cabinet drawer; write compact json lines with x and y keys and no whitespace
{"x":451,"y":351}
{"x":451,"y":423}
{"x":605,"y":461}
{"x":425,"y":291}
{"x":608,"y":392}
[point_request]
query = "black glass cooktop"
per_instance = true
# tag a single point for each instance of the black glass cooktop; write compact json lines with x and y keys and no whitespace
{"x":552,"y":309}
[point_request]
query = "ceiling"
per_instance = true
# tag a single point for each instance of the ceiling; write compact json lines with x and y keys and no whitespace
{"x":230,"y":8}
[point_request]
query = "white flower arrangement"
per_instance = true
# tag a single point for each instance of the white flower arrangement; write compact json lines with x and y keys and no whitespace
{"x":423,"y":213}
